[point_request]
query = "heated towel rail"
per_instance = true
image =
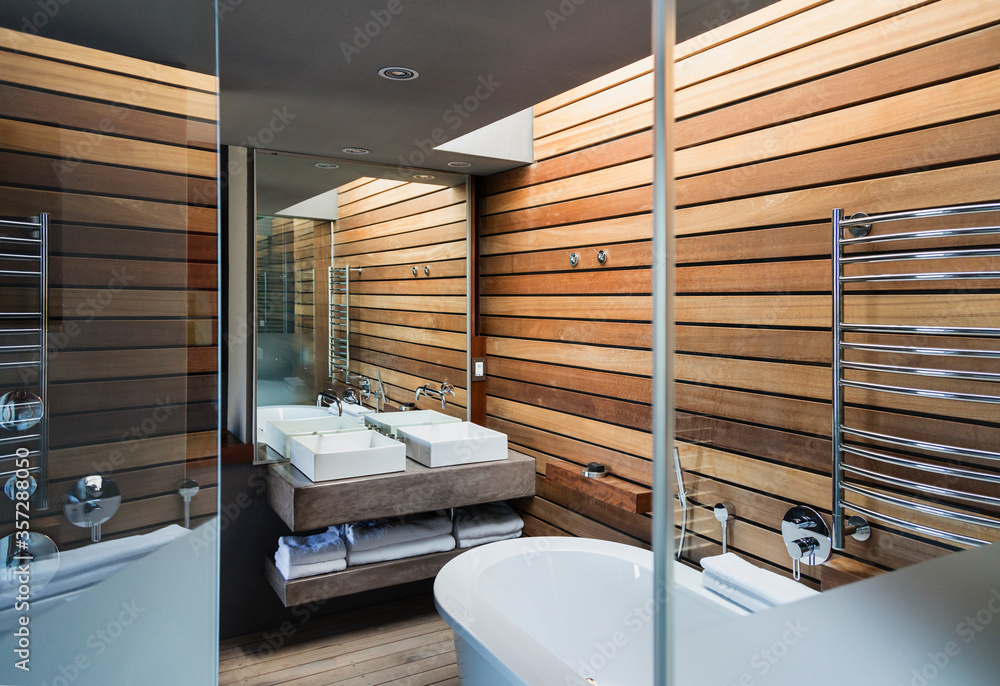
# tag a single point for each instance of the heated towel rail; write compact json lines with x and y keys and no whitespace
{"x":937,"y":497}
{"x":340,"y":321}
{"x":24,"y":254}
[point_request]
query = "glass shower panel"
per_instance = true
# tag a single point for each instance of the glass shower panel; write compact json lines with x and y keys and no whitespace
{"x":286,"y":316}
{"x":109,"y":353}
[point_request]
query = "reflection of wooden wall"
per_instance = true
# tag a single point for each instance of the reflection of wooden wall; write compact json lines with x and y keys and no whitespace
{"x":122,"y":155}
{"x":287,"y":257}
{"x":782,"y":116}
{"x":410,"y":327}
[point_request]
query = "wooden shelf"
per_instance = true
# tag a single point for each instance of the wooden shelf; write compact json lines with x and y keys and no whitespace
{"x":304,"y":505}
{"x":355,"y":579}
{"x":611,"y":490}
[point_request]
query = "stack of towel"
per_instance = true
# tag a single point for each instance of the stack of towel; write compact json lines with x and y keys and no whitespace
{"x":748,"y":585}
{"x":480,"y":524}
{"x":299,"y":556}
{"x":394,"y":538}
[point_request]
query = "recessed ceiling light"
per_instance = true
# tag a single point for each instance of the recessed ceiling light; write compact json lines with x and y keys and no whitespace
{"x":327,"y":165}
{"x":459,"y":164}
{"x":357,"y":151}
{"x":398,"y":73}
{"x":423,"y":177}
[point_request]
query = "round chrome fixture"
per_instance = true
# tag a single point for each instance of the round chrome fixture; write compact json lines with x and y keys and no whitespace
{"x":327,"y":165}
{"x":459,"y":164}
{"x":398,"y":73}
{"x":356,"y":151}
{"x":423,"y":177}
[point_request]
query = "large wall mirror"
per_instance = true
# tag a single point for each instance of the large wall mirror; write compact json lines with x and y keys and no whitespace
{"x":360,"y":282}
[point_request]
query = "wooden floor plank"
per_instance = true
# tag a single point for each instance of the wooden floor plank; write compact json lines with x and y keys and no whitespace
{"x":403,"y":642}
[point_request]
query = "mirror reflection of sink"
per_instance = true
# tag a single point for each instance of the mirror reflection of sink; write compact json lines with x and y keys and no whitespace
{"x":441,"y":445}
{"x":390,"y":422}
{"x":279,"y":433}
{"x":280,"y":413}
{"x":347,"y":455}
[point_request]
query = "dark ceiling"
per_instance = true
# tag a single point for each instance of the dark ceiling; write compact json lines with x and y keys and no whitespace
{"x":301,"y":75}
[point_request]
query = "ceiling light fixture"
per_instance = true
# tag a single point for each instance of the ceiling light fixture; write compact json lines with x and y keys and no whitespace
{"x":423,"y":177}
{"x":327,"y":165}
{"x":398,"y":73}
{"x":356,"y":151}
{"x":459,"y":164}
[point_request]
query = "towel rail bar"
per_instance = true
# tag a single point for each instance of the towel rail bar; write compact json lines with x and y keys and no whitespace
{"x":950,"y":450}
{"x":921,"y":371}
{"x":916,"y":528}
{"x":922,"y":488}
{"x":941,"y":352}
{"x":922,"y":466}
{"x":922,"y":508}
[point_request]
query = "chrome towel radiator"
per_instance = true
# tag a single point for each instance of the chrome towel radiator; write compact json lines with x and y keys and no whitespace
{"x":24,"y":263}
{"x":340,"y":321}
{"x":959,"y":467}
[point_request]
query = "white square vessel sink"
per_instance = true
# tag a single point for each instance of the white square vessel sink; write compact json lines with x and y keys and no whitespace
{"x":279,"y":434}
{"x":281,"y":413}
{"x":391,"y":422}
{"x":347,"y":455}
{"x":442,"y":445}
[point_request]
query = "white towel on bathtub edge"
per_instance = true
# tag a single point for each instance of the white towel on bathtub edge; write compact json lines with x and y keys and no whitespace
{"x":290,"y":571}
{"x":379,"y":533}
{"x":398,"y":551}
{"x":751,"y":586}
{"x":488,"y":519}
{"x":483,"y":540}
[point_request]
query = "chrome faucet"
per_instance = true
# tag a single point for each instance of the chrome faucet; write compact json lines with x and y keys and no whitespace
{"x":327,"y":399}
{"x":436,"y":393}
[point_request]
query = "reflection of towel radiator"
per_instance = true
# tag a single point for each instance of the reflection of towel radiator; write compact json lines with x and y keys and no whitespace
{"x":884,"y":453}
{"x":23,"y":337}
{"x":340,"y":321}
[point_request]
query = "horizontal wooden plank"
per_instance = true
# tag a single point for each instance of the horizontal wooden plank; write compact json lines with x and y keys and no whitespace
{"x":620,"y":177}
{"x":398,"y":193}
{"x":417,"y":206}
{"x":920,"y":25}
{"x":761,"y":277}
{"x":442,"y":322}
{"x":621,"y":308}
{"x":961,"y":55}
{"x":95,"y":209}
{"x":630,"y":120}
{"x":624,"y":440}
{"x":796,"y":450}
{"x":618,"y":97}
{"x":611,"y":384}
{"x":806,"y":240}
{"x":430,"y":236}
{"x":418,"y":303}
{"x":789,"y":414}
{"x":133,"y":454}
{"x":414,"y":285}
{"x":632,"y":201}
{"x":430,"y":354}
{"x":576,"y":524}
{"x":632,"y":281}
{"x":609,"y":334}
{"x":617,"y":255}
{"x":126,"y":334}
{"x":610,"y":410}
{"x":620,"y":360}
{"x":776,"y":344}
{"x":118,"y":303}
{"x":81,"y":271}
{"x":27,"y":70}
{"x":440,"y":373}
{"x":621,"y":75}
{"x":107,"y":364}
{"x":636,"y":525}
{"x":755,"y":310}
{"x":632,"y":228}
{"x":408,"y":256}
{"x":107,"y":61}
{"x":55,"y":109}
{"x":114,"y":395}
{"x":771,"y":377}
{"x":966,"y":97}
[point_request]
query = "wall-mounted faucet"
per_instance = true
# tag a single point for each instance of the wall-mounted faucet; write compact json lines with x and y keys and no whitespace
{"x":436,"y":393}
{"x":327,"y":399}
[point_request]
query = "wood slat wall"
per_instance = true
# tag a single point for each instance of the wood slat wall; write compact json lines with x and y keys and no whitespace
{"x":781,"y":116}
{"x":411,"y":327}
{"x":122,"y":155}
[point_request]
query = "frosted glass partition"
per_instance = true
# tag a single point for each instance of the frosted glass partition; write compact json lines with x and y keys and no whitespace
{"x":937,"y":622}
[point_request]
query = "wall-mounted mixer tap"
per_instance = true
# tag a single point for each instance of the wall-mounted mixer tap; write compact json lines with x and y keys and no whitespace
{"x":436,"y":393}
{"x":327,"y":399}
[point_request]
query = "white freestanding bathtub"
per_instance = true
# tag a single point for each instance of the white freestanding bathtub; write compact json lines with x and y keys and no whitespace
{"x":553,"y":610}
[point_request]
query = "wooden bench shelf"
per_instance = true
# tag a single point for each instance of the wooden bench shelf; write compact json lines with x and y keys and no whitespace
{"x":355,"y":579}
{"x":304,"y":505}
{"x":611,"y":490}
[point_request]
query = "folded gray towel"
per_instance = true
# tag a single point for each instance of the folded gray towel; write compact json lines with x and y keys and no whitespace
{"x":398,"y":551}
{"x":378,"y":533}
{"x":306,"y":550}
{"x":483,"y":540}
{"x":489,"y":519}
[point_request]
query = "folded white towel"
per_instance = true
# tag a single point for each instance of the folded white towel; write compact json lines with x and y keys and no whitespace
{"x":483,"y":540}
{"x":489,"y":519}
{"x":305,"y":550}
{"x":748,"y":585}
{"x":438,"y":544}
{"x":378,"y":533}
{"x":298,"y":571}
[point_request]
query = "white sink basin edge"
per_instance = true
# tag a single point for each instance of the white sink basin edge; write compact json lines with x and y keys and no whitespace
{"x":444,"y":445}
{"x":346,"y":455}
{"x":278,"y":434}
